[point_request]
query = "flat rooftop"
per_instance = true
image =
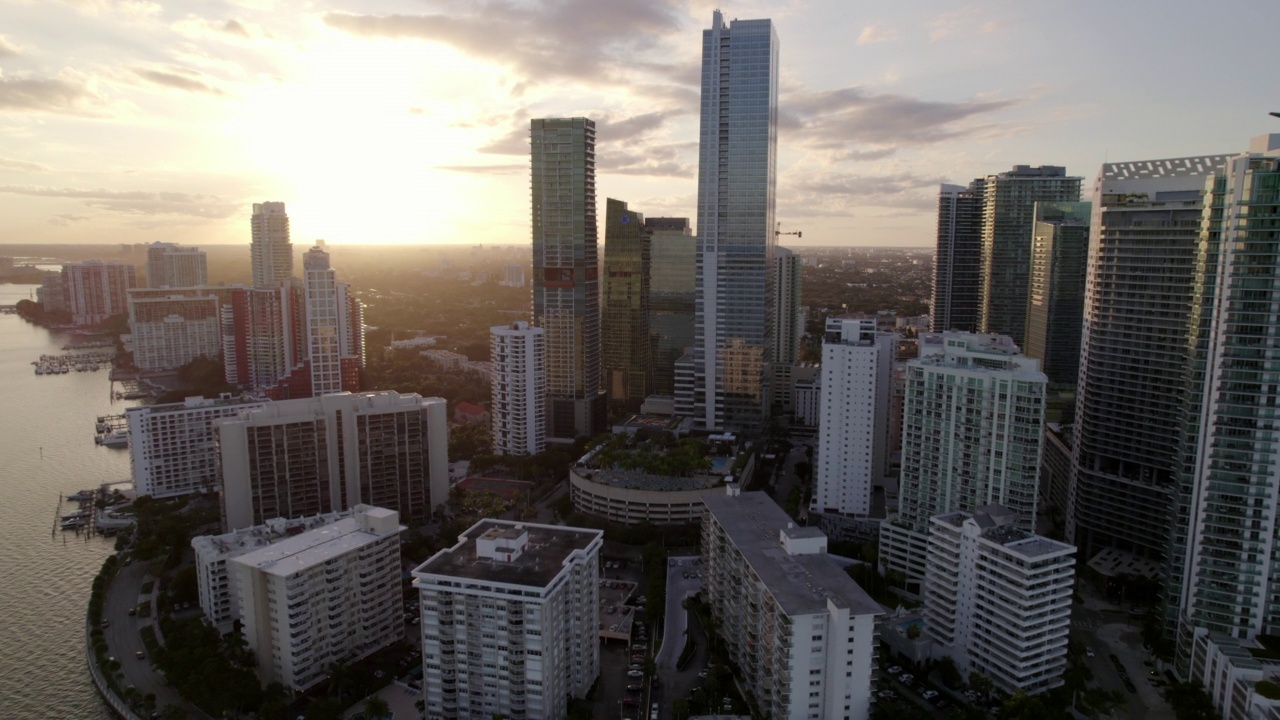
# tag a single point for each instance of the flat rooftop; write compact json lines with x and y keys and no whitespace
{"x":245,"y":539}
{"x":310,"y":548}
{"x":802,"y":584}
{"x":550,"y":546}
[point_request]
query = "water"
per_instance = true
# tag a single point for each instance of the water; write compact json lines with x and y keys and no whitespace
{"x":44,"y":578}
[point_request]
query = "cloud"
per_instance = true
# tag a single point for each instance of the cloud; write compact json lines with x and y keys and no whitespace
{"x":515,"y":142}
{"x":873,"y":34}
{"x":610,"y":130}
{"x":136,"y":202}
{"x":655,"y":160}
{"x":965,"y":21}
{"x":67,"y":93}
{"x":842,"y":190}
{"x":8,"y":49}
{"x":233,"y":27}
{"x":579,"y":40}
{"x":834,"y":118}
{"x":181,"y":80}
{"x":23,"y":165}
{"x":486,"y":169}
{"x":67,"y":219}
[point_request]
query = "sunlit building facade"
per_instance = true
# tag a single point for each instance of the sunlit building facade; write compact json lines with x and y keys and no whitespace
{"x":271,"y":252}
{"x":957,"y":259}
{"x":672,"y":284}
{"x":1055,"y":302}
{"x":174,"y":266}
{"x":518,"y":411}
{"x":626,"y":348}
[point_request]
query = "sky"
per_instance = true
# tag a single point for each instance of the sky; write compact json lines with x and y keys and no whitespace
{"x":406,"y":121}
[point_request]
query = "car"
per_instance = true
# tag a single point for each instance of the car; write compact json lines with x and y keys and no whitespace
{"x":702,"y":673}
{"x":133,"y":612}
{"x":140,"y":655}
{"x":1088,"y":652}
{"x":634,"y":666}
{"x":634,"y":673}
{"x":929,"y":694}
{"x":630,"y":701}
{"x":635,"y":687}
{"x":907,"y":678}
{"x":895,"y":670}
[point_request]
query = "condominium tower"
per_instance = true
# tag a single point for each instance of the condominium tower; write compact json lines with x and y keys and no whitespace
{"x":1055,"y":297}
{"x":173,"y":447}
{"x":518,"y":411}
{"x":957,"y":259}
{"x":626,"y":347}
{"x":672,"y":284}
{"x":566,"y":287}
{"x":95,"y":290}
{"x":175,"y":266}
{"x":1008,"y":218}
{"x":737,"y":158}
{"x":972,"y":432}
{"x":316,"y":455}
{"x":335,"y":338}
{"x":270,"y":250}
{"x":510,"y":621}
{"x":789,"y":328}
{"x":171,"y":330}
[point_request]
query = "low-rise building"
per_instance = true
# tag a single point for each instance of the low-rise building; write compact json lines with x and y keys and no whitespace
{"x":509,"y":621}
{"x":998,"y":598}
{"x":802,"y":633}
{"x":320,"y":598}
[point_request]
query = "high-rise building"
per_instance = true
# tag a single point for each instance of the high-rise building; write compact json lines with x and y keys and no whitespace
{"x":789,"y":327}
{"x":510,"y":621}
{"x":171,"y":331}
{"x":327,"y":596}
{"x":1055,"y":298}
{"x":518,"y":410}
{"x":972,"y":433}
{"x":335,"y":336}
{"x":801,"y":632}
{"x":97,"y":290}
{"x":737,"y":159}
{"x":175,"y":266}
{"x":1131,"y":391}
{"x":271,"y":251}
{"x":566,"y":286}
{"x":52,"y":293}
{"x":998,"y":598}
{"x":957,"y":259}
{"x":512,"y":276}
{"x":625,"y":343}
{"x":853,"y":427}
{"x":317,"y":455}
{"x":173,"y":448}
{"x":672,"y":284}
{"x":1008,"y":217}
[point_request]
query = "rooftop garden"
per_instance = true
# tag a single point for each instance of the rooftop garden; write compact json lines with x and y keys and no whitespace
{"x":656,"y":453}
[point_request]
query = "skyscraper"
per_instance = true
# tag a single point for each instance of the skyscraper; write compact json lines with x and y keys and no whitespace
{"x":566,"y":288}
{"x":271,"y":252}
{"x":174,"y":266}
{"x":97,"y":290}
{"x":737,"y":156}
{"x":625,"y":351}
{"x":957,"y":260}
{"x":1138,"y":300}
{"x":972,"y":431}
{"x":334,"y":338}
{"x":1008,"y":208}
{"x":672,"y":259}
{"x":519,"y":386}
{"x":789,"y":327}
{"x":1055,"y":298}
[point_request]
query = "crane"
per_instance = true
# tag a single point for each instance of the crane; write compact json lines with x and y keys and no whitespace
{"x":778,"y":231}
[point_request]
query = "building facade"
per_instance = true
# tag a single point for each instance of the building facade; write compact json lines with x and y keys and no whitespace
{"x":328,"y":596}
{"x":95,"y":290}
{"x":972,"y":435}
{"x":853,"y":430}
{"x":737,"y":159}
{"x":625,"y":345}
{"x":175,"y":266}
{"x":271,"y":252}
{"x":173,"y":448}
{"x":672,"y":284}
{"x":1055,"y":298}
{"x":789,"y":331}
{"x":998,"y":598}
{"x":566,"y":282}
{"x":294,"y":458}
{"x":169,"y":332}
{"x":801,"y":632}
{"x":518,"y":410}
{"x":957,"y":259}
{"x":1008,"y":218}
{"x":510,"y":620}
{"x":335,"y":330}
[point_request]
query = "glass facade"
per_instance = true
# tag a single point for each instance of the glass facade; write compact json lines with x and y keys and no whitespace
{"x":957,"y":260}
{"x":672,"y":285}
{"x":737,"y":157}
{"x":1055,"y":298}
{"x":625,"y":318}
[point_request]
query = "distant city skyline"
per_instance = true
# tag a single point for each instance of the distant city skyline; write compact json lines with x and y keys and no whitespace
{"x":405,"y":122}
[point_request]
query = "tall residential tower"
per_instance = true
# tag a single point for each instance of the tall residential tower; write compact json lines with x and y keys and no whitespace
{"x":271,"y":251}
{"x":626,"y":346}
{"x":957,"y":260}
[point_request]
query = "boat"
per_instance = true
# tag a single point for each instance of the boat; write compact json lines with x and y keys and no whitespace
{"x":81,"y":496}
{"x":78,"y":515}
{"x":74,"y":524}
{"x":114,"y":439}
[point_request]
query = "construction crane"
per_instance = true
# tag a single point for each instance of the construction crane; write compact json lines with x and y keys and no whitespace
{"x":778,"y":231}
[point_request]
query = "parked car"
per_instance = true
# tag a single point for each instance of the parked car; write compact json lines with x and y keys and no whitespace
{"x":907,"y":678}
{"x":634,"y":673}
{"x":895,"y":670}
{"x":929,"y":694}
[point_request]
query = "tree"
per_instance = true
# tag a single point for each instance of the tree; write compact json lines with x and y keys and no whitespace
{"x":1190,"y":701}
{"x":981,"y":684}
{"x":948,"y":673}
{"x":913,"y":632}
{"x":376,"y":708}
{"x":1022,"y":706}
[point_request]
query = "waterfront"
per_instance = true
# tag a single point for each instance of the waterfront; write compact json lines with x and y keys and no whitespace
{"x":46,"y":451}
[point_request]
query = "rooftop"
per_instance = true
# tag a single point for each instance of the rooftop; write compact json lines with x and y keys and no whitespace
{"x":300,"y":552}
{"x":550,"y":548}
{"x":802,"y":584}
{"x":263,"y":535}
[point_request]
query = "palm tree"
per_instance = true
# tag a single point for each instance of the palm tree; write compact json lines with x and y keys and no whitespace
{"x":376,"y":708}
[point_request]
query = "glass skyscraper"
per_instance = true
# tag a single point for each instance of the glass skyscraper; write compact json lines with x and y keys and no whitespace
{"x":566,"y":289}
{"x":672,"y":284}
{"x":625,"y":312}
{"x":1055,"y":298}
{"x":957,"y":261}
{"x":737,"y":157}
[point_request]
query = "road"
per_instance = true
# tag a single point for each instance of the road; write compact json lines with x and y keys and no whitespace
{"x":672,"y":682}
{"x":1105,"y":629}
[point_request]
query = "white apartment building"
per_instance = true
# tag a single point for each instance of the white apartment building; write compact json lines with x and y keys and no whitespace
{"x":326,"y":596}
{"x":271,"y":251}
{"x":169,"y":332}
{"x":518,"y":354}
{"x":174,"y":266}
{"x":294,"y":458}
{"x":510,"y":621}
{"x":800,"y":630}
{"x":998,"y":598}
{"x":853,"y":430}
{"x":331,"y":331}
{"x":513,"y":276}
{"x":213,"y":551}
{"x":972,"y":435}
{"x":173,"y":448}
